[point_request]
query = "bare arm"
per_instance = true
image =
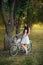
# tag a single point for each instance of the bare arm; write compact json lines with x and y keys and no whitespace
{"x":19,"y":33}
{"x":27,"y":33}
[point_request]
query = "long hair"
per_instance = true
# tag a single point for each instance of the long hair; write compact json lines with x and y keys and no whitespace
{"x":26,"y":28}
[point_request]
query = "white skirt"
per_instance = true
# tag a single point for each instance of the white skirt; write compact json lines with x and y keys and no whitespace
{"x":25,"y":40}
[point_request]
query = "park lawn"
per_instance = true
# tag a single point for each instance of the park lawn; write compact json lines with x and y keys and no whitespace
{"x":35,"y":57}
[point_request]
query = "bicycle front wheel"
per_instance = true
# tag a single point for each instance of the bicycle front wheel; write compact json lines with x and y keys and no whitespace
{"x":13,"y":50}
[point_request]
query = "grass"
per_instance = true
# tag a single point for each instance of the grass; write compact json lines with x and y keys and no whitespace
{"x":35,"y":57}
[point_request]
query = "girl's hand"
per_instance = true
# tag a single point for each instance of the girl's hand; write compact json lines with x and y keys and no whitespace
{"x":16,"y":34}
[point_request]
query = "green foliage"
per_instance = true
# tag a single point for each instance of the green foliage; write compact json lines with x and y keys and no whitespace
{"x":32,"y":10}
{"x":40,"y":14}
{"x":6,"y":5}
{"x":20,"y":7}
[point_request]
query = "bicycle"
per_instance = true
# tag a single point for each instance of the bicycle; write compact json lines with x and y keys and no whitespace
{"x":16,"y":47}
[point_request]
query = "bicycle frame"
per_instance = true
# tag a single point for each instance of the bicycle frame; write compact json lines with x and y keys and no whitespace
{"x":16,"y":46}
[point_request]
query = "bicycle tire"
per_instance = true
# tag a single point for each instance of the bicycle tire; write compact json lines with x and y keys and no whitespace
{"x":13,"y":50}
{"x":29,"y":46}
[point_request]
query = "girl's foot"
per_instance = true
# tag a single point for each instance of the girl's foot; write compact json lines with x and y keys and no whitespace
{"x":26,"y":54}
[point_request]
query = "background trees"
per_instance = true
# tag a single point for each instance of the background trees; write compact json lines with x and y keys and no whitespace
{"x":16,"y":12}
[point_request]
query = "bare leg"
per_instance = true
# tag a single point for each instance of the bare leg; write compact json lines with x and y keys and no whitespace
{"x":25,"y":47}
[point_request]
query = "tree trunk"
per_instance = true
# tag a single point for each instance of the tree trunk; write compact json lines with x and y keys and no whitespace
{"x":17,"y":26}
{"x":9,"y":25}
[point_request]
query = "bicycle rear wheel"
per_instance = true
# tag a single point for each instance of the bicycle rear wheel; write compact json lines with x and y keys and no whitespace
{"x":29,"y":46}
{"x":13,"y":50}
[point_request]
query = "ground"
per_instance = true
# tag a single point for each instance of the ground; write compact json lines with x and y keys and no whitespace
{"x":35,"y":57}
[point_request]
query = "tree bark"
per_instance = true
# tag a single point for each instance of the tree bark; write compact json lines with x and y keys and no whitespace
{"x":9,"y":25}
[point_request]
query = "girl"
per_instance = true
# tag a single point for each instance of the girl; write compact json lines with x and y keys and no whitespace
{"x":25,"y":38}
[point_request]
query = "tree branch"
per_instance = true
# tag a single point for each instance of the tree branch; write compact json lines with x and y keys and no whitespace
{"x":3,"y":13}
{"x":11,"y":11}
